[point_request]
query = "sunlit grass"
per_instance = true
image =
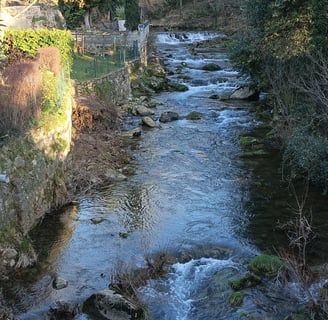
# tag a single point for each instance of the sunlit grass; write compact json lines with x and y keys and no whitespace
{"x":87,"y":67}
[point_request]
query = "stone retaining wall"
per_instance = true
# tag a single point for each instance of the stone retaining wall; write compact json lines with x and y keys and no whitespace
{"x":35,"y":166}
{"x":117,"y":85}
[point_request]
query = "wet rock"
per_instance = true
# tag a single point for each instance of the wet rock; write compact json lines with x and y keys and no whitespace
{"x":144,"y":111}
{"x":323,"y":293}
{"x":97,"y":220}
{"x":59,"y":283}
{"x":211,"y":67}
{"x":236,"y":299}
{"x":194,"y":116}
{"x":169,"y":116}
{"x":178,"y":87}
{"x":245,"y":93}
{"x":123,"y":235}
{"x":63,"y":310}
{"x":149,"y":122}
{"x":109,"y":304}
{"x":248,"y":281}
{"x":132,"y":133}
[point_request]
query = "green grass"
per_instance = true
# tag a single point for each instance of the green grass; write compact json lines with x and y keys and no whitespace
{"x":88,"y":66}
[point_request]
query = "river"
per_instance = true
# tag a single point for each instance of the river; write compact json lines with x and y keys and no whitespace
{"x":193,"y":195}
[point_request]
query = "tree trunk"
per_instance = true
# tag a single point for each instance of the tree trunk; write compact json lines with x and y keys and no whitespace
{"x":180,"y":5}
{"x":87,"y":20}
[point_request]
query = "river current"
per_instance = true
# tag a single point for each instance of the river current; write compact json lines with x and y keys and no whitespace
{"x":192,"y":195}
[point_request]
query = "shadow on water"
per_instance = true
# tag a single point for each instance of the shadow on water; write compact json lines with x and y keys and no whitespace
{"x":272,"y":202}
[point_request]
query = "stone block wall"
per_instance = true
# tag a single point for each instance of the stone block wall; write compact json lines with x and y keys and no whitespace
{"x":118,"y":84}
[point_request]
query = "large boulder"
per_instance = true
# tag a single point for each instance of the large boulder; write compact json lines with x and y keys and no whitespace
{"x":108,"y":304}
{"x":148,"y":122}
{"x":245,"y":93}
{"x":144,"y":111}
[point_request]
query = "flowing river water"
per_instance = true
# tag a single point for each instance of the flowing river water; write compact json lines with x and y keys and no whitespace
{"x":192,"y":196}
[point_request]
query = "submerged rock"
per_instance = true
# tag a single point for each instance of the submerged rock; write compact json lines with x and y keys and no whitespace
{"x":111,"y":305}
{"x":59,"y":283}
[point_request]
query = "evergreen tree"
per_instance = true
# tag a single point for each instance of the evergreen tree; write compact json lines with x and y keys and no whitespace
{"x":132,"y":14}
{"x":320,"y":25}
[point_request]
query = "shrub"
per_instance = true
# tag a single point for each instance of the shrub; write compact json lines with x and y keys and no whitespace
{"x":20,"y":95}
{"x":30,"y":41}
{"x":30,"y":87}
{"x":307,"y":155}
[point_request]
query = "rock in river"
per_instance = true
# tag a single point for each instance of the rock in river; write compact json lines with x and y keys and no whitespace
{"x":168,"y":116}
{"x":111,"y":305}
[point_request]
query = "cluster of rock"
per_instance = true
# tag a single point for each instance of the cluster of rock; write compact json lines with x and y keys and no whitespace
{"x":105,"y":304}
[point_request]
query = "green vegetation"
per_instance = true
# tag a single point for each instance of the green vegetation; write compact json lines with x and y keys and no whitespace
{"x":86,"y":67}
{"x":132,"y":14}
{"x":28,"y":41}
{"x":283,"y":47}
{"x":194,"y":115}
{"x":78,"y":12}
{"x":248,"y":281}
{"x":267,"y":265}
{"x":236,"y":299}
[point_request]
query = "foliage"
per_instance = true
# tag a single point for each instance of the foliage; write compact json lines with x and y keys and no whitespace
{"x":120,"y":13}
{"x":266,"y":265}
{"x":236,"y":299}
{"x":132,"y":14}
{"x":29,"y":41}
{"x":248,"y":281}
{"x":307,"y":154}
{"x":75,"y":11}
{"x":41,"y":89}
{"x":284,"y":48}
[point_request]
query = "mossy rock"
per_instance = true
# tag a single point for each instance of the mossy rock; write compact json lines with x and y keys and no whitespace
{"x":178,"y":87}
{"x":236,"y":299}
{"x":247,"y":141}
{"x":194,"y":116}
{"x":211,"y":67}
{"x":248,"y":281}
{"x":254,"y":154}
{"x":324,"y":291}
{"x":266,"y":265}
